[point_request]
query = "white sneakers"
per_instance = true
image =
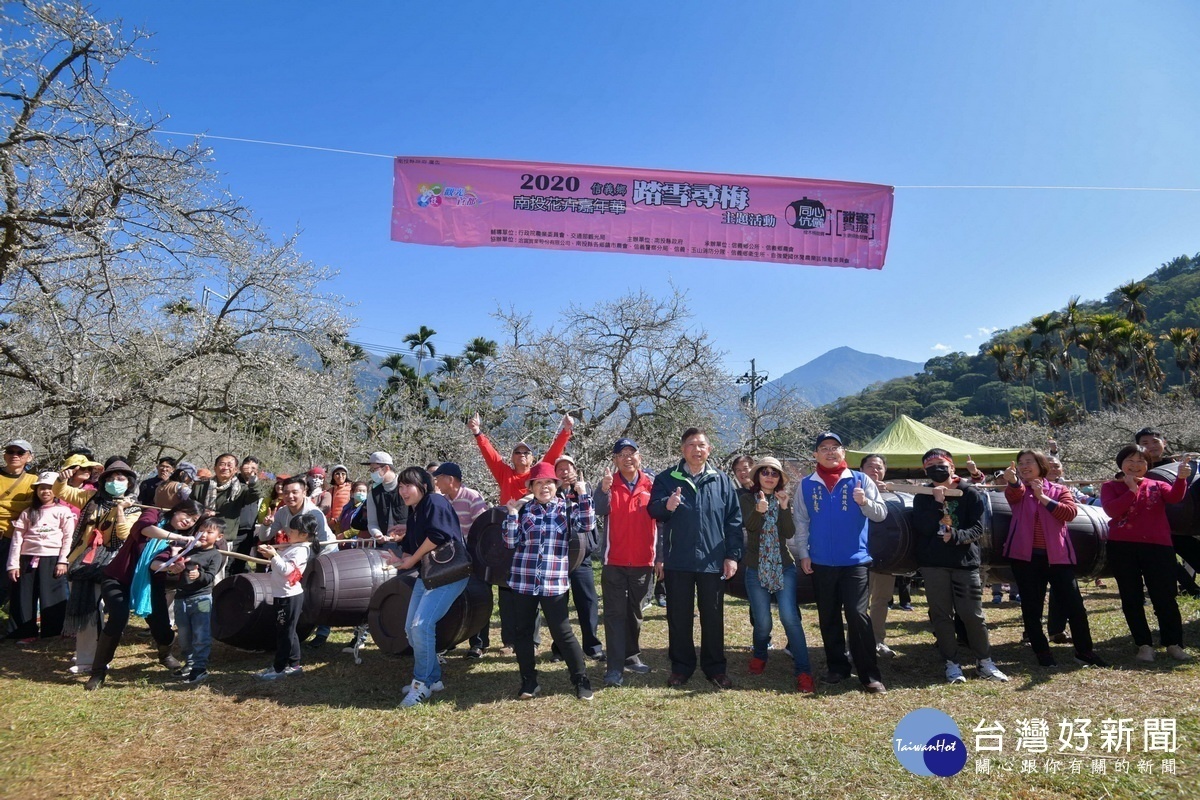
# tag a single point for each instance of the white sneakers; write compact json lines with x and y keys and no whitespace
{"x":1145,"y":653}
{"x":417,"y":693}
{"x":1176,"y":652}
{"x":436,"y":686}
{"x":954,"y":673}
{"x":883,"y":651}
{"x":988,"y":671}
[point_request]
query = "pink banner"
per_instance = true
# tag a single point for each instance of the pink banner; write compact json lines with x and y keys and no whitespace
{"x":465,"y":203}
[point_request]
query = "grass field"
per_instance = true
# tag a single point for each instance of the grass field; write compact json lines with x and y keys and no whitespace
{"x":337,"y":730}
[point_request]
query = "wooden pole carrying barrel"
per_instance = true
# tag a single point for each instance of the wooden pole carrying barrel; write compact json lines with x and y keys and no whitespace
{"x":244,"y":614}
{"x":388,"y":612}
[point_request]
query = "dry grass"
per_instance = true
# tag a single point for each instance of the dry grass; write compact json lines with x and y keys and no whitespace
{"x":337,"y":731}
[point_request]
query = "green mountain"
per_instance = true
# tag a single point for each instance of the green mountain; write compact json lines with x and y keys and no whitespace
{"x":1143,"y":339}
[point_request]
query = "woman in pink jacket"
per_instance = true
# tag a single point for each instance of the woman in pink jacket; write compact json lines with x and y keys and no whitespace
{"x":1040,"y":553}
{"x":1140,"y":548}
{"x":37,"y":563}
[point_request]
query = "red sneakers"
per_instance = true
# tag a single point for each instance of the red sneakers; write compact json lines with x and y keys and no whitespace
{"x":757,"y":665}
{"x":804,"y":683}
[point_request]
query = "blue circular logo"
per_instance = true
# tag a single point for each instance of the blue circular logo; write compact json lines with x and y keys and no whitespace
{"x":927,"y":742}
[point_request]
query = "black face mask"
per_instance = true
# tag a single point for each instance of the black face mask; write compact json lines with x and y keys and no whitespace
{"x":939,"y":473}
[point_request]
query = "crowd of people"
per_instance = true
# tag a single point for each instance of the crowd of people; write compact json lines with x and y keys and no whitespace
{"x":89,"y":544}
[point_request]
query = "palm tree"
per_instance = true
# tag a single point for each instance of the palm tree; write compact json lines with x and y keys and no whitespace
{"x":422,"y":345}
{"x":1184,"y":342}
{"x":451,"y":365}
{"x":480,"y":349}
{"x":1001,"y":352}
{"x":1131,"y":303}
{"x":1093,"y":351}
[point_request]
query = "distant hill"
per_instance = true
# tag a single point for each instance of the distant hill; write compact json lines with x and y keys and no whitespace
{"x":1140,"y":341}
{"x":840,"y":372}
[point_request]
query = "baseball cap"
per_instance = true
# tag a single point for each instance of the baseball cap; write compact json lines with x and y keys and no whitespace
{"x":21,"y":443}
{"x":621,"y":444}
{"x":448,"y":468}
{"x":828,"y":435}
{"x":379,"y":457}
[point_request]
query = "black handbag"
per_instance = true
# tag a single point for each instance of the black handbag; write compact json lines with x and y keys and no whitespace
{"x":90,"y":564}
{"x":445,"y":564}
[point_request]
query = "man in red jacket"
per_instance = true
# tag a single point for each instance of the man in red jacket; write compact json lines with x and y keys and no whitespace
{"x":511,"y":477}
{"x":628,"y":550}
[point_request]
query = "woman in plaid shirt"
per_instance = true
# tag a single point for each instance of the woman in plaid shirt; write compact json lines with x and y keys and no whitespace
{"x":540,"y":532}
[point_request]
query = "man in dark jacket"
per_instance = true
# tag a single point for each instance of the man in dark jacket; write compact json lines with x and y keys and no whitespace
{"x":948,"y":524}
{"x":700,"y":545}
{"x":225,"y":495}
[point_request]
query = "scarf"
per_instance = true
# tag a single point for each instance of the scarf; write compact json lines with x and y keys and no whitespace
{"x":770,"y":563}
{"x":831,"y":476}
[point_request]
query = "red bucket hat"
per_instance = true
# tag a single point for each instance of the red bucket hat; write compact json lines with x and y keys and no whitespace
{"x":541,"y":472}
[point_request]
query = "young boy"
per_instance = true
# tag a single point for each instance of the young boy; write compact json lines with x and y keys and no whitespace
{"x":287,"y":590}
{"x":197,"y":571}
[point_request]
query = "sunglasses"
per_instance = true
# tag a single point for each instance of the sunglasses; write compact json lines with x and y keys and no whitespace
{"x":12,"y":451}
{"x":770,"y":473}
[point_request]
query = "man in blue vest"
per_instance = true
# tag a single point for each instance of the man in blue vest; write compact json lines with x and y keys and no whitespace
{"x":836,"y":506}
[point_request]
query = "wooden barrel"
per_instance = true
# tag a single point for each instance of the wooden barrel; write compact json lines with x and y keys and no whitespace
{"x":244,"y":615}
{"x":891,"y":543}
{"x":1183,"y":517}
{"x":492,"y":560}
{"x":339,"y":584}
{"x":1088,"y":533}
{"x":388,"y":611}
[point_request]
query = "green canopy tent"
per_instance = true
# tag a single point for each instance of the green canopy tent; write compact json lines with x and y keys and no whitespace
{"x":906,"y":440}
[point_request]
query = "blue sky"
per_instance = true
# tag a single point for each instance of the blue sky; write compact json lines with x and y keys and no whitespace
{"x":906,"y":94}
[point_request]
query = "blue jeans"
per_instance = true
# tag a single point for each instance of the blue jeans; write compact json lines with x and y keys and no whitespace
{"x":789,"y":617}
{"x":426,"y":607}
{"x":193,"y":618}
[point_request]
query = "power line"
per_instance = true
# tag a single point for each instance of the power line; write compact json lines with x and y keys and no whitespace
{"x":343,"y":151}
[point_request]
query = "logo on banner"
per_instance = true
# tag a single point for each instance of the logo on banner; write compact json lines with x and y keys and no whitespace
{"x":928,"y":742}
{"x":432,"y":195}
{"x":806,"y":215}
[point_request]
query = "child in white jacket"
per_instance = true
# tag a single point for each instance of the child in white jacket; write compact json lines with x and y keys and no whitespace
{"x":287,"y":590}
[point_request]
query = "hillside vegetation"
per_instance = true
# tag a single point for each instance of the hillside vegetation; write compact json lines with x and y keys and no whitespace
{"x":1140,"y":342}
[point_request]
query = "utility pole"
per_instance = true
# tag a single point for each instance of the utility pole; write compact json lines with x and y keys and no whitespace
{"x":755,"y":379}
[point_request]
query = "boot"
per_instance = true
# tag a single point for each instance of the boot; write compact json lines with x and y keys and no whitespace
{"x":166,"y":659}
{"x":106,"y":648}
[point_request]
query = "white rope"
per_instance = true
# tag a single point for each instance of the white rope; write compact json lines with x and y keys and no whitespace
{"x":952,"y":187}
{"x":275,"y":144}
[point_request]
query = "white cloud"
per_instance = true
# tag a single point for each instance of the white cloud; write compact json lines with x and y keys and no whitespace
{"x":986,"y":332}
{"x":941,"y":348}
{"x":969,"y":336}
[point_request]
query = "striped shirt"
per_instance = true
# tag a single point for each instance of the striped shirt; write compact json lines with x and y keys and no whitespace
{"x":542,"y":561}
{"x":468,"y":504}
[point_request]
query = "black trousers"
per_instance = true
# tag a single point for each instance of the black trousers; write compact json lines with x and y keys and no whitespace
{"x":1187,"y":548}
{"x":116,"y":610}
{"x":1133,"y":563}
{"x":287,"y":643}
{"x":626,"y":590}
{"x":36,"y":587}
{"x":5,"y":583}
{"x":587,"y":607}
{"x":245,"y":545}
{"x":483,"y":639}
{"x":524,"y":609}
{"x":1056,"y":616}
{"x":1033,"y":578}
{"x":507,"y":616}
{"x":686,"y":591}
{"x":844,"y":591}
